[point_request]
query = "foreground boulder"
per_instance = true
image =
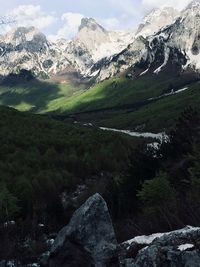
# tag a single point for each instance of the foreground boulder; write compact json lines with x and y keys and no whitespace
{"x":174,"y":249}
{"x":89,"y":238}
{"x":89,"y":241}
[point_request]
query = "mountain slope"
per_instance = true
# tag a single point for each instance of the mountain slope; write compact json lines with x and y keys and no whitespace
{"x":90,"y":53}
{"x":100,"y":42}
{"x":156,"y":20}
{"x":148,"y":68}
{"x":27,"y":48}
{"x":174,"y":44}
{"x":151,"y":103}
{"x":35,"y":95}
{"x":118,"y":103}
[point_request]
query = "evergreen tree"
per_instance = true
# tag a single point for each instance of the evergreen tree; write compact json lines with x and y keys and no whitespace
{"x":8,"y":204}
{"x":159,"y":199}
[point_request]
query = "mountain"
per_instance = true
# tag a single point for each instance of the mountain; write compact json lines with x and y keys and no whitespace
{"x":92,"y":44}
{"x":156,"y":20}
{"x":86,"y":53}
{"x":113,"y":77}
{"x":118,"y":115}
{"x":27,"y":48}
{"x":175,"y":44}
{"x":100,"y":42}
{"x":180,"y":40}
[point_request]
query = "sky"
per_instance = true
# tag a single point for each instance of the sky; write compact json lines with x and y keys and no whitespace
{"x":61,"y":18}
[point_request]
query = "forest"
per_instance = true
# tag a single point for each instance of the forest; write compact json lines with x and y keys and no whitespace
{"x":49,"y":167}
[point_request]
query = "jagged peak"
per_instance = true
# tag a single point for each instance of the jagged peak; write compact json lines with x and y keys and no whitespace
{"x":192,"y":11}
{"x":24,"y":34}
{"x":156,"y":20}
{"x":90,"y":24}
{"x":193,"y":3}
{"x":21,"y":30}
{"x":158,"y":12}
{"x":192,"y":6}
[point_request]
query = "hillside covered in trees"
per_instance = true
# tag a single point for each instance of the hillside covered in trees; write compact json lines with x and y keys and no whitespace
{"x":48,"y":168}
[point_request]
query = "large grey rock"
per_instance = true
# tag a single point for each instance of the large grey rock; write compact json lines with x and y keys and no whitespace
{"x":89,"y":238}
{"x":176,"y":249}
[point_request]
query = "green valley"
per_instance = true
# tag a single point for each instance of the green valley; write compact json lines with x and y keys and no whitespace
{"x":118,"y":102}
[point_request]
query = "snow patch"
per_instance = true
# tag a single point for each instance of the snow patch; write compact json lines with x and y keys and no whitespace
{"x":144,"y":72}
{"x":167,"y":52}
{"x":185,"y":247}
{"x":144,"y":240}
{"x":95,"y":73}
{"x":158,"y":136}
{"x":88,"y":124}
{"x":169,"y":94}
{"x":154,"y":145}
{"x":181,"y":90}
{"x":156,"y":20}
{"x":148,"y":239}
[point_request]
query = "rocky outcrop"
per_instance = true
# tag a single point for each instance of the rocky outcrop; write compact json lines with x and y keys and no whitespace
{"x":176,"y":249}
{"x":89,"y":238}
{"x":89,"y":241}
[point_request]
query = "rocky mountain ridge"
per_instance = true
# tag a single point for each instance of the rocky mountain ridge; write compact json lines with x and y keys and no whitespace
{"x":175,"y":44}
{"x":165,"y":37}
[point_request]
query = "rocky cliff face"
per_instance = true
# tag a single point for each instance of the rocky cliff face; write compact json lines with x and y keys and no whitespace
{"x":175,"y":44}
{"x":100,"y":42}
{"x":180,"y":39}
{"x":156,"y":20}
{"x":118,"y":63}
{"x":27,"y":48}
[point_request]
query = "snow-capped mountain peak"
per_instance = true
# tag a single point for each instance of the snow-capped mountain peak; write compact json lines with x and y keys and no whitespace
{"x":165,"y":34}
{"x":91,"y":34}
{"x":90,"y":24}
{"x":22,"y":35}
{"x":193,"y":4}
{"x":99,"y":42}
{"x":157,"y":19}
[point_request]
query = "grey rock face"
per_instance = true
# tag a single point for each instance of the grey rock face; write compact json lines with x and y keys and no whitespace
{"x":176,"y":249}
{"x":89,"y":238}
{"x":91,"y":24}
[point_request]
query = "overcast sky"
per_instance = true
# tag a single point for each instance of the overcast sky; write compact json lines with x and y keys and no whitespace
{"x":62,"y":17}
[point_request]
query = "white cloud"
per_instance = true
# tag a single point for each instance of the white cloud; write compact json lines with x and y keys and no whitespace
{"x":179,"y":4}
{"x":111,"y":14}
{"x":110,"y":23}
{"x":30,"y":15}
{"x":71,"y":23}
{"x":126,"y":6}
